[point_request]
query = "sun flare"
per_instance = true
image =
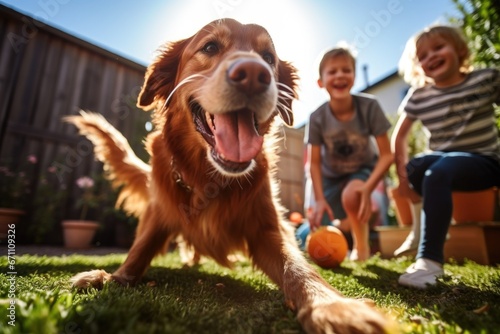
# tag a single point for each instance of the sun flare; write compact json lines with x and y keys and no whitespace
{"x":291,"y":32}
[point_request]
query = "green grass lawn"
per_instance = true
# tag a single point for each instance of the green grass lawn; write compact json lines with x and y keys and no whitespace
{"x":212,"y":299}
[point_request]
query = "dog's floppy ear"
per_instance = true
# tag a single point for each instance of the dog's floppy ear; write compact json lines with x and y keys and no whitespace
{"x":287,"y":85}
{"x":160,"y":76}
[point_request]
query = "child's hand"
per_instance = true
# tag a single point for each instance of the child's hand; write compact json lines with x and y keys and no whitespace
{"x":405,"y":190}
{"x":319,"y":209}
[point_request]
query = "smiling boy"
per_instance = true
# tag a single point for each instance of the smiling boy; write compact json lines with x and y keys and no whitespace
{"x":348,"y":152}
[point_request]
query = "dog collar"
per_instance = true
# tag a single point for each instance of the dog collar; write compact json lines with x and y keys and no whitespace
{"x":176,"y":175}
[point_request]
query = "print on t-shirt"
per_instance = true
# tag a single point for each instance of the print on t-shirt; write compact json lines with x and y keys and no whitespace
{"x":349,"y":151}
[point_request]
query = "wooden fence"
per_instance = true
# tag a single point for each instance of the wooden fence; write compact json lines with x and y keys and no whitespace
{"x":46,"y":74}
{"x":291,"y":169}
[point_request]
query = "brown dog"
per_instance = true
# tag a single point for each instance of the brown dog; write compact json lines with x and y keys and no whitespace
{"x":210,"y":178}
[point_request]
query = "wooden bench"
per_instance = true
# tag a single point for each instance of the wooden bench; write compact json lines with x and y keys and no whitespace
{"x":472,"y":235}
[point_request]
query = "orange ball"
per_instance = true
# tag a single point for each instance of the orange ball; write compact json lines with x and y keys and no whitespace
{"x":296,"y":217}
{"x":327,"y":247}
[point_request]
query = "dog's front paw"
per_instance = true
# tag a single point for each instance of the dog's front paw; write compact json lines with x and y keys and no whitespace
{"x":344,"y":316}
{"x":90,"y":279}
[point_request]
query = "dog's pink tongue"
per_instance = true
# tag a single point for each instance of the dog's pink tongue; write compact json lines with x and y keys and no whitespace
{"x":235,"y":136}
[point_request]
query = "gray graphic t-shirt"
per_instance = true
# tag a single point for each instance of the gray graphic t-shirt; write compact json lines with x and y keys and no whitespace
{"x":348,"y":146}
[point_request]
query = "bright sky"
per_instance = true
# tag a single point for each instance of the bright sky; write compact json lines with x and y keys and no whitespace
{"x":301,"y":29}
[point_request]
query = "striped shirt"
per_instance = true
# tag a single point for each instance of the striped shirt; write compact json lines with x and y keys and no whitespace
{"x":459,"y":118}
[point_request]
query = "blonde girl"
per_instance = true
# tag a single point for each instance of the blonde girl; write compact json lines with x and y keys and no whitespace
{"x":456,"y":107}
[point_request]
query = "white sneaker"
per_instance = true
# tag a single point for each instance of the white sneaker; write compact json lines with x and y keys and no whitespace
{"x":422,"y":273}
{"x":409,"y":246}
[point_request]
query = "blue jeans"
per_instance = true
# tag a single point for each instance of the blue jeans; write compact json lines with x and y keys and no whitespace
{"x":434,"y":176}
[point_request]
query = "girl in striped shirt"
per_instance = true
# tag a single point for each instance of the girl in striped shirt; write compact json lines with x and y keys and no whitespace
{"x":456,"y":107}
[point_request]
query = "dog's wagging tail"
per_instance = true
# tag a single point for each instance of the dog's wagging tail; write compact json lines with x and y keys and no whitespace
{"x":217,"y":97}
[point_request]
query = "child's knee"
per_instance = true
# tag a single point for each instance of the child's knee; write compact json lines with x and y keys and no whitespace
{"x":350,"y":196}
{"x":436,"y":177}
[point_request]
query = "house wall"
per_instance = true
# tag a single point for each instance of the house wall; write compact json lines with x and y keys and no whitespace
{"x":390,"y":92}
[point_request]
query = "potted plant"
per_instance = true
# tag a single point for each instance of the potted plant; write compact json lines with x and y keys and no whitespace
{"x":14,"y":192}
{"x":78,"y":234}
{"x":48,"y":205}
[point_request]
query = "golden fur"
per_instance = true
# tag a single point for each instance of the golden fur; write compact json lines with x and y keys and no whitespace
{"x":210,"y":177}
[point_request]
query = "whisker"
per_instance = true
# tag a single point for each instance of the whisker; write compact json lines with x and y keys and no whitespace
{"x":249,"y":178}
{"x":212,"y":172}
{"x":284,"y":106}
{"x":286,"y":87}
{"x":285,"y":111}
{"x":183,"y":82}
{"x":285,"y":95}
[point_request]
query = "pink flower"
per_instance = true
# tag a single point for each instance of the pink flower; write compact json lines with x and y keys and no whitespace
{"x":52,"y":169}
{"x":85,"y":182}
{"x":32,"y":159}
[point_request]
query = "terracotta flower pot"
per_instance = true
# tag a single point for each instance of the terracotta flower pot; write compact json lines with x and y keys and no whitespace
{"x":474,"y":206}
{"x":8,"y":217}
{"x":78,"y":234}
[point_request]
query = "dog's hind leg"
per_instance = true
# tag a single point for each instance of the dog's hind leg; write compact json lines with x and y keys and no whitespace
{"x":150,"y":240}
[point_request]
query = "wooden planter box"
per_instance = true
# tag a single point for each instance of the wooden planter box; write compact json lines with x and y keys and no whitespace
{"x":477,"y":241}
{"x":390,"y":238}
{"x":468,"y":206}
{"x":473,"y":234}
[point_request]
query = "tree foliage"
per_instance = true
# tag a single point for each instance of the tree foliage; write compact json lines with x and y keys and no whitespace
{"x":480,"y":23}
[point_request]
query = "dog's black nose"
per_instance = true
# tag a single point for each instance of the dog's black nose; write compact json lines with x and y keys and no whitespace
{"x":250,"y":76}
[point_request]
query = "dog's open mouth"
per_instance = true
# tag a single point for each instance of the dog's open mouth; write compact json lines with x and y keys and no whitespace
{"x":233,"y":136}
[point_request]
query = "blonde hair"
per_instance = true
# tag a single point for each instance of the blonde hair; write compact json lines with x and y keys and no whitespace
{"x":342,"y":49}
{"x":409,"y":66}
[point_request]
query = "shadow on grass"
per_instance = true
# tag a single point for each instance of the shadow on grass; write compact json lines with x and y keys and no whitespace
{"x":209,"y":299}
{"x":185,"y":300}
{"x":168,"y":300}
{"x":449,"y":301}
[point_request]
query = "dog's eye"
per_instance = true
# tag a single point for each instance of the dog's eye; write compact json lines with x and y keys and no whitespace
{"x":210,"y":48}
{"x":268,"y":58}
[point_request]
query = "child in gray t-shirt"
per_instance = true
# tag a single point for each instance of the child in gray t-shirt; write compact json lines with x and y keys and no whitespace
{"x":348,"y":152}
